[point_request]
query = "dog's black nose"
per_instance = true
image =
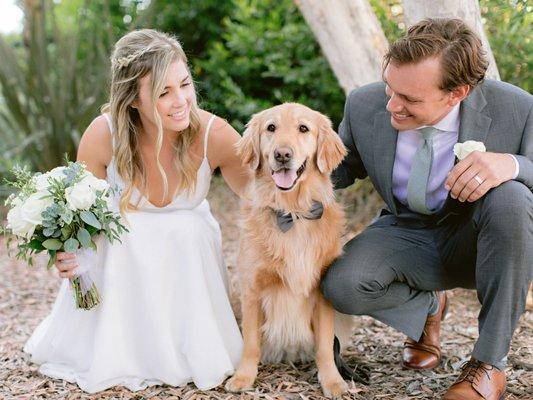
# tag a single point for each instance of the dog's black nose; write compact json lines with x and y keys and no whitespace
{"x":283,"y":154}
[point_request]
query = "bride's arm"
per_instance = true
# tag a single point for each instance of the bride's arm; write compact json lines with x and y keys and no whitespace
{"x":222,"y":153}
{"x":95,"y":150}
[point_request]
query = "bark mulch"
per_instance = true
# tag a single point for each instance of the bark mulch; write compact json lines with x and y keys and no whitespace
{"x":27,"y":295}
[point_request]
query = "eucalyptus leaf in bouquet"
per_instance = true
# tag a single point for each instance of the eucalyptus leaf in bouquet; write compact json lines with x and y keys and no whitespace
{"x":64,"y":209}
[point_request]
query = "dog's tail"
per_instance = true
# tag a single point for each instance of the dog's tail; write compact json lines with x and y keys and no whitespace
{"x":344,"y":327}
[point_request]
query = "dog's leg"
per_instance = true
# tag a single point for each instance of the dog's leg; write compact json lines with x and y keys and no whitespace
{"x":252,"y":318}
{"x":331,"y":381}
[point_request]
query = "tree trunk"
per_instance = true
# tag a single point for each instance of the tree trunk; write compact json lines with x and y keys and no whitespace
{"x":467,"y":10}
{"x":350,"y":36}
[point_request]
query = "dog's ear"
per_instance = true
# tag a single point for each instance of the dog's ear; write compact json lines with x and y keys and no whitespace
{"x":248,"y":145}
{"x":330,"y":149}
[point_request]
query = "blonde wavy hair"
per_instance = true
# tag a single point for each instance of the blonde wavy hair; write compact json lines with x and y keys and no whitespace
{"x":136,"y":55}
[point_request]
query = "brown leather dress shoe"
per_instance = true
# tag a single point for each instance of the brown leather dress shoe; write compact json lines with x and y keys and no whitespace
{"x":425,"y":354}
{"x":478,"y":381}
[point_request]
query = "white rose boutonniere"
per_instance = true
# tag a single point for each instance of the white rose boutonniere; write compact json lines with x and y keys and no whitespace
{"x":461,"y":150}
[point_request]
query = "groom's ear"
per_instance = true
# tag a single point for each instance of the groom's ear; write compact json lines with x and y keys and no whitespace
{"x":248,"y":147}
{"x":459,"y":94}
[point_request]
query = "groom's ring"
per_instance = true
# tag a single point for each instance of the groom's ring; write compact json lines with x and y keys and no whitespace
{"x":478,"y":179}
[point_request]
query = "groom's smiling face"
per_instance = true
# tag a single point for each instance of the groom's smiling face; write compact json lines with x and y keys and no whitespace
{"x":415,"y":97}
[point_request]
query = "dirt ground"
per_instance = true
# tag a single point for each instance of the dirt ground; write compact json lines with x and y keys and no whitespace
{"x":27,"y":295}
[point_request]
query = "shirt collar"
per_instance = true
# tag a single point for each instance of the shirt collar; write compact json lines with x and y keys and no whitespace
{"x":450,"y":122}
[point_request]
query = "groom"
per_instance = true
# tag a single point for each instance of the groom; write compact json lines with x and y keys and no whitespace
{"x":448,"y":224}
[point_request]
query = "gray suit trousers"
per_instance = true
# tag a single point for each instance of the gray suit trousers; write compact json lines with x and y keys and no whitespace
{"x":388,"y":270}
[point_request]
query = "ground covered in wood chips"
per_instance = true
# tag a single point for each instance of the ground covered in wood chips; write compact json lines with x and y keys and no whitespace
{"x":26,"y":297}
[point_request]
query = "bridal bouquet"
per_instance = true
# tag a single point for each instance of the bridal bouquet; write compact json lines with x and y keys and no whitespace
{"x":62,"y":210}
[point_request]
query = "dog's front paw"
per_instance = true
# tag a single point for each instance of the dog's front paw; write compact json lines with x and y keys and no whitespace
{"x":334,"y":389}
{"x":240,"y":383}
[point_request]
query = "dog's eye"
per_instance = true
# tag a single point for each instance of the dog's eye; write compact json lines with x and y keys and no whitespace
{"x":303,"y":128}
{"x":271,"y":128}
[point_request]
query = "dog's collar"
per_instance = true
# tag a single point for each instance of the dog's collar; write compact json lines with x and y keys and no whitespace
{"x":285,"y":219}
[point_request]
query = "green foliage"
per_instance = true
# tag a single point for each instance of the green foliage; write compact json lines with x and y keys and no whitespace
{"x":84,"y":237}
{"x":50,"y":93}
{"x":390,"y":16}
{"x":196,"y":23}
{"x":509,"y":28}
{"x":266,"y":56}
{"x":52,"y":244}
{"x":22,"y":183}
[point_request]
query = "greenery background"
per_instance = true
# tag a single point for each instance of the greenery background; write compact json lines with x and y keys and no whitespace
{"x":245,"y":55}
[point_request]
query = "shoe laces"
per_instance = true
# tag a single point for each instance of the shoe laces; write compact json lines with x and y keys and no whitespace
{"x":472,"y":368}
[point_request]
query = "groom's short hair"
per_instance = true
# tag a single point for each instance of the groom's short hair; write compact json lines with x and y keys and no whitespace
{"x":463,"y":59}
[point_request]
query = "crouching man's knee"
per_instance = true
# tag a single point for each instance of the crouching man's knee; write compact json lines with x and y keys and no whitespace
{"x":506,"y":208}
{"x":349,"y":292}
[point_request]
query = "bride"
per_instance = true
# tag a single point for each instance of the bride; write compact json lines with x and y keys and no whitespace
{"x":165,"y":316}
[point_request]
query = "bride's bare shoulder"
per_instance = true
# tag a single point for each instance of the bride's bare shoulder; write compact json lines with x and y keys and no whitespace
{"x":96,"y":145}
{"x":221,"y":142}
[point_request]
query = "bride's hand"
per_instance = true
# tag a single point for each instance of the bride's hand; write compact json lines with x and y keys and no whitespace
{"x":66,"y":263}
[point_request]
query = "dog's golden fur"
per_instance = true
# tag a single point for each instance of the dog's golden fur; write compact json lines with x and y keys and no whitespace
{"x":284,"y":313}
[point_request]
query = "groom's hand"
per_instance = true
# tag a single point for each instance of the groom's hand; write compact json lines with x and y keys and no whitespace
{"x":477,"y":173}
{"x":66,"y":264}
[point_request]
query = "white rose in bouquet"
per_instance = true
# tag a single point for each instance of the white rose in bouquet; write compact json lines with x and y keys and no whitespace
{"x":80,"y":196}
{"x":33,"y":206}
{"x":461,"y":150}
{"x":95,"y":183}
{"x":42,"y":181}
{"x":58,"y":172}
{"x":18,"y":225}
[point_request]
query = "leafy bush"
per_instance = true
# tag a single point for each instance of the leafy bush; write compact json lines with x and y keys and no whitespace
{"x":267,"y":55}
{"x":508,"y":25}
{"x":52,"y":84}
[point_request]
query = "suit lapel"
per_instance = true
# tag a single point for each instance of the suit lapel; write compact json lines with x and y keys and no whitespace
{"x":473,"y":124}
{"x":384,"y":151}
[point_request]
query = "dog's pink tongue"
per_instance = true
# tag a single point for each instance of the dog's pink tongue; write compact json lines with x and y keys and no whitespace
{"x":284,"y":178}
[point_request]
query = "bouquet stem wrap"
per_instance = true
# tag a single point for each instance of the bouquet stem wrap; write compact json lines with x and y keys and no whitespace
{"x":86,"y":294}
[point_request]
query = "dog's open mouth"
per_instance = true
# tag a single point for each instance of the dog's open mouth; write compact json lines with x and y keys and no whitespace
{"x":285,"y":178}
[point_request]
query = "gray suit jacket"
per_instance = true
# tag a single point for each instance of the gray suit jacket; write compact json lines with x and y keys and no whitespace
{"x":496,"y":113}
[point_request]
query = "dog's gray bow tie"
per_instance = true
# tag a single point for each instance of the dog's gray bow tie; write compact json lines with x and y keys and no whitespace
{"x":285,"y":220}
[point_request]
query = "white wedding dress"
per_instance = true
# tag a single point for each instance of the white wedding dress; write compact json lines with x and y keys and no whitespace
{"x":165,"y":315}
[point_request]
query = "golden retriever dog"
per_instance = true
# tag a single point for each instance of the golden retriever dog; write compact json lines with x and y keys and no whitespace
{"x":291,"y":232}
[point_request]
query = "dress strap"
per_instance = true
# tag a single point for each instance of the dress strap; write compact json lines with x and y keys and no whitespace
{"x":110,"y":124}
{"x":206,"y":136}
